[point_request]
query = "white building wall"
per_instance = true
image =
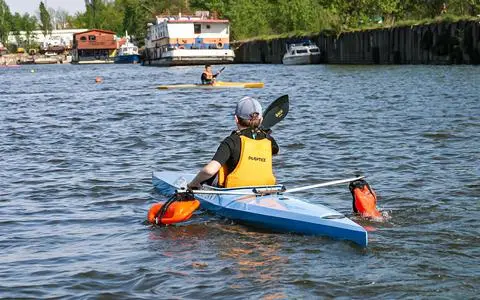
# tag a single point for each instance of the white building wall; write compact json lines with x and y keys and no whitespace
{"x":63,"y":36}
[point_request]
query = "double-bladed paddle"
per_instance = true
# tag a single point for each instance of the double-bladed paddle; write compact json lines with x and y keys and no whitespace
{"x":275,"y":112}
{"x":218,"y":73}
{"x":272,"y":189}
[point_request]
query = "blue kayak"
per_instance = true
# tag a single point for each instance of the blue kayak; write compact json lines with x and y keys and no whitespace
{"x":277,"y":212}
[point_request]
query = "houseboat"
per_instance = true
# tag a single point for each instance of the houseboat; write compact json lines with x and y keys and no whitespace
{"x":94,"y":46}
{"x":127,"y":52}
{"x":301,"y":53}
{"x":188,"y":40}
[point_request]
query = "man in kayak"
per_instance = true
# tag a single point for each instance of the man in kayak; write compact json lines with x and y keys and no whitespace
{"x":245,"y":157}
{"x":207,"y":76}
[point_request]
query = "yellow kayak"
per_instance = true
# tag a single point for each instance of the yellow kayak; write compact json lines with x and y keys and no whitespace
{"x":216,"y":85}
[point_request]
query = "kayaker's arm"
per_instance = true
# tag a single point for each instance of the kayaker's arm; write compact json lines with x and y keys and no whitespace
{"x":205,"y":173}
{"x":204,"y":78}
{"x":275,"y":147}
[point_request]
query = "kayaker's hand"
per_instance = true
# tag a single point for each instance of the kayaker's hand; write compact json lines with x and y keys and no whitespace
{"x":193,"y":186}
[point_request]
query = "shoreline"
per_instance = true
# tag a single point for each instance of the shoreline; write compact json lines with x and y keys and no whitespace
{"x":436,"y":44}
{"x":37,"y":59}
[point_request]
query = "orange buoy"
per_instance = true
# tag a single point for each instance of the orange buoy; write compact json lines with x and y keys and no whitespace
{"x":98,"y":79}
{"x":177,"y":211}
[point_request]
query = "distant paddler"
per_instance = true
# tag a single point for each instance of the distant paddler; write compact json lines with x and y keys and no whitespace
{"x":208,"y":77}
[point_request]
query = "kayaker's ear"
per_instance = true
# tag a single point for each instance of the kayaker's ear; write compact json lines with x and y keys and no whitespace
{"x":236,"y":119}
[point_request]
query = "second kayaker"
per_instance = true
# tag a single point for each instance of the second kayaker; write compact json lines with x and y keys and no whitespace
{"x":207,"y":76}
{"x":245,"y":157}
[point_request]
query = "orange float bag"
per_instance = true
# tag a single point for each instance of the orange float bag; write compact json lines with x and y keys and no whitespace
{"x":178,"y":208}
{"x":364,"y":199}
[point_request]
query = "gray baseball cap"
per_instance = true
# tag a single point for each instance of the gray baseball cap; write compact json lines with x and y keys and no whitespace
{"x":246,"y":107}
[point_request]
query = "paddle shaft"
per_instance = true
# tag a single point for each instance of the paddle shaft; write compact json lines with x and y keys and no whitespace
{"x":218,"y":73}
{"x":244,"y":192}
{"x":333,"y":182}
{"x":209,"y":192}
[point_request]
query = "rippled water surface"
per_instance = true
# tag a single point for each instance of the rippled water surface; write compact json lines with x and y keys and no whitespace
{"x":75,"y":176}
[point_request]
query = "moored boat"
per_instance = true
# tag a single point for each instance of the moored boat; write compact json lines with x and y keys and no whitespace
{"x":275,"y":211}
{"x":127,"y":53}
{"x":188,"y":40}
{"x":216,"y":85}
{"x":301,"y":53}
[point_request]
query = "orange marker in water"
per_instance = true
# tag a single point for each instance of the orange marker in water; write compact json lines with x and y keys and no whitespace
{"x":364,"y":199}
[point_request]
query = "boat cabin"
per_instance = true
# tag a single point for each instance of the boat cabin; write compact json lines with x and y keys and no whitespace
{"x":127,"y":48}
{"x":189,"y":32}
{"x":188,"y":40}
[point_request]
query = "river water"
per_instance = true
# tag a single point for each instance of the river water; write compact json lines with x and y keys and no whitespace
{"x":77,"y":158}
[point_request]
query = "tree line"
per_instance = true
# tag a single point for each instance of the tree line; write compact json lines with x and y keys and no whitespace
{"x":249,"y":18}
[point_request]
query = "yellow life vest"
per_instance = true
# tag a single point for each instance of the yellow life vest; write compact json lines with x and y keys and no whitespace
{"x":208,"y":75}
{"x":253,"y":168}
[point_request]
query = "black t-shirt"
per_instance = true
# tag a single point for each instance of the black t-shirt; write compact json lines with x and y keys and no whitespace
{"x":205,"y":80}
{"x":229,"y":150}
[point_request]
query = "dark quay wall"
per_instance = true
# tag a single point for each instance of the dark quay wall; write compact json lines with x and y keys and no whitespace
{"x":442,"y":43}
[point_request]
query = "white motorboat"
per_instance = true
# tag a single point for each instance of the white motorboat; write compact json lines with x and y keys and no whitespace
{"x":127,"y":53}
{"x":302,"y":53}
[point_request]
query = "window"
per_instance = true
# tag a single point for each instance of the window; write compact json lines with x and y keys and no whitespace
{"x":197,"y":28}
{"x":83,"y":38}
{"x":302,"y":51}
{"x":314,"y":50}
{"x":91,"y":37}
{"x":208,"y":26}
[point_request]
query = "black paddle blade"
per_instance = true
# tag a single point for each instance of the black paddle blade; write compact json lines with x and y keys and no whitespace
{"x":275,"y":112}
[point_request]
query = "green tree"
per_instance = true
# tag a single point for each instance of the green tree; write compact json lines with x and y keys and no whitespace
{"x":29,"y":25}
{"x":25,"y":24}
{"x":45,"y":19}
{"x":93,"y":13}
{"x":300,"y":15}
{"x":131,"y":18}
{"x":248,"y":18}
{"x":16,"y":23}
{"x":5,"y":22}
{"x":463,"y":7}
{"x":420,"y":9}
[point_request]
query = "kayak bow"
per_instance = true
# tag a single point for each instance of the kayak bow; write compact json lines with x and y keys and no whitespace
{"x":276,"y":212}
{"x":216,"y":85}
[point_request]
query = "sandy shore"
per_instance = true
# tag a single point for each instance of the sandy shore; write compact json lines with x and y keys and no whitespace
{"x":18,"y":59}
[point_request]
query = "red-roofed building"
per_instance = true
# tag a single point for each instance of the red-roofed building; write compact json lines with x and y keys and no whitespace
{"x":94,"y":46}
